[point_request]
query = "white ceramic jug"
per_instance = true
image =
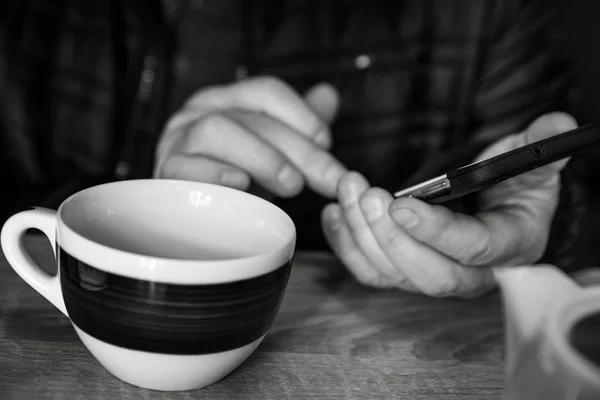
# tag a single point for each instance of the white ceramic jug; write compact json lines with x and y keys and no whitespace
{"x":552,"y":333}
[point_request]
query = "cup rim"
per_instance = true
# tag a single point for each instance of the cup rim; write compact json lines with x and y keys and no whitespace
{"x":562,"y":322}
{"x":173,"y":270}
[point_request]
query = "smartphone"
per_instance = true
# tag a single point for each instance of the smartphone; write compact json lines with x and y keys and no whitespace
{"x":482,"y":174}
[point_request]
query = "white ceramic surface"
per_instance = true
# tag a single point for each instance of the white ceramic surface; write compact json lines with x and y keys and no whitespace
{"x":166,"y":372}
{"x":175,"y":231}
{"x":168,"y":232}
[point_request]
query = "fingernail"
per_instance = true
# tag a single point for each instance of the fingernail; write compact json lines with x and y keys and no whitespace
{"x":333,"y":175}
{"x":405,"y":217}
{"x":323,"y":137}
{"x":372,"y":207}
{"x":288,"y":178}
{"x":234,"y":179}
{"x":348,"y":192}
{"x":334,"y":218}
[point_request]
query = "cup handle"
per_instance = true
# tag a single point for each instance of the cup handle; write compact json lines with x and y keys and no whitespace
{"x":13,"y":246}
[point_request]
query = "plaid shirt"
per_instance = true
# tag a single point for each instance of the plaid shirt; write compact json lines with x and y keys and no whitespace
{"x":422,"y":82}
{"x":419,"y":80}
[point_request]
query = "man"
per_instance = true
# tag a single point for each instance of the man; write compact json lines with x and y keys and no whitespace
{"x":398,"y":91}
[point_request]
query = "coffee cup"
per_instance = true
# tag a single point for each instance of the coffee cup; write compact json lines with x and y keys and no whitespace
{"x":169,"y":284}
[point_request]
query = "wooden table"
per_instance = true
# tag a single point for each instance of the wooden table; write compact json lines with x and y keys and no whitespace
{"x":332,"y":339}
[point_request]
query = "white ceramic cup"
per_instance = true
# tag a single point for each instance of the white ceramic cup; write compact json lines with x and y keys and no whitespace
{"x":171,"y":285}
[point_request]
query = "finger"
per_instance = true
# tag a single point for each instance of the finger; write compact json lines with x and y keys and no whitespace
{"x":202,"y":169}
{"x":324,"y":100}
{"x":351,"y":187}
{"x":508,"y":236}
{"x":461,"y":237}
{"x":549,"y":125}
{"x":544,"y":127}
{"x":345,"y":248}
{"x":321,"y":170}
{"x":435,"y":274}
{"x":223,"y":139}
{"x":172,"y":137}
{"x":270,"y":96}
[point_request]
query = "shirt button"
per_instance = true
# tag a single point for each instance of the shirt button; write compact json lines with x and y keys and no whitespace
{"x":362,"y":61}
{"x":122,"y":170}
{"x":241,"y":72}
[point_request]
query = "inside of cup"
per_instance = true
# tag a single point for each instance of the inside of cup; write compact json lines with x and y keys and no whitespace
{"x":177,"y":219}
{"x":585,"y":337}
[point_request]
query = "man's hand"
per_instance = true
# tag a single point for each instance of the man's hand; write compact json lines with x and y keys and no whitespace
{"x":257,"y":129}
{"x":417,"y":247}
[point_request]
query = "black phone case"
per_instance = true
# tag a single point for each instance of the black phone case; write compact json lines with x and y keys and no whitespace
{"x":483,"y":174}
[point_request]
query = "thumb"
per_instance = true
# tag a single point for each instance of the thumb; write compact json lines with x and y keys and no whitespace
{"x":533,"y":181}
{"x":546,"y":126}
{"x":543,"y":127}
{"x":324,"y":100}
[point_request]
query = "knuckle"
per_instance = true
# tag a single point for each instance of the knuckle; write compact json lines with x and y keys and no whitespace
{"x":168,"y":144}
{"x":437,"y":229}
{"x":317,"y":160}
{"x":532,"y":248}
{"x":402,"y":282}
{"x":397,"y":243}
{"x":447,"y":222}
{"x":440,"y":282}
{"x":270,"y":83}
{"x":273,"y":165}
{"x":431,"y":290}
{"x":170,"y":168}
{"x":273,"y":169}
{"x":442,"y":230}
{"x":201,"y":95}
{"x":442,"y":288}
{"x":208,"y":132}
{"x":392,"y":240}
{"x":370,"y":280}
{"x":210,"y":123}
{"x":170,"y":138}
{"x":173,"y":123}
{"x":476,"y":252}
{"x":477,"y":288}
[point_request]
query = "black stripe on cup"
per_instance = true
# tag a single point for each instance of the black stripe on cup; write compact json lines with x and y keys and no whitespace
{"x":170,"y":318}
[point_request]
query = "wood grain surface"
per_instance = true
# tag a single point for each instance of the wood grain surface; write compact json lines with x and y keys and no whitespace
{"x":332,"y":339}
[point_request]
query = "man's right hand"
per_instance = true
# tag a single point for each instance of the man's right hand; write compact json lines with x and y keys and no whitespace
{"x":257,"y":129}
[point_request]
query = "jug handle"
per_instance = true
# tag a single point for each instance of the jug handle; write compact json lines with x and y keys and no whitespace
{"x":528,"y":293}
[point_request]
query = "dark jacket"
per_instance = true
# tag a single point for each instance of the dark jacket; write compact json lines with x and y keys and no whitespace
{"x":86,"y":87}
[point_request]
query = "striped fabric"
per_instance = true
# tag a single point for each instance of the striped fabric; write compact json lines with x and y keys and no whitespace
{"x":420,"y":80}
{"x":56,"y":98}
{"x":438,"y":74}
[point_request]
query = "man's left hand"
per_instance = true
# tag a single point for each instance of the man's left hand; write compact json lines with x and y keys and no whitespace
{"x":414,"y":246}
